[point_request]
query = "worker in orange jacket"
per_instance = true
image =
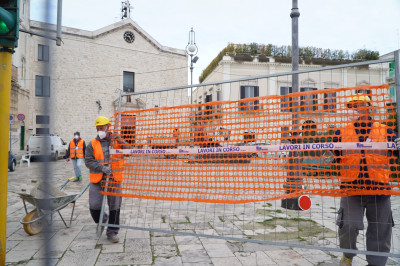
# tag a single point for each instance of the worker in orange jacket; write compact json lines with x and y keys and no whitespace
{"x":97,"y":159}
{"x":364,"y":169}
{"x":76,"y":153}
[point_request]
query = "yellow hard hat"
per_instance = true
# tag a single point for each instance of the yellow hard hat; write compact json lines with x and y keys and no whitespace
{"x":358,"y":98}
{"x":101,"y":121}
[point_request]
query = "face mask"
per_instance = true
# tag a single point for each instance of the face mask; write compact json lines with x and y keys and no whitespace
{"x":353,"y":115}
{"x":76,"y":137}
{"x":102,"y":134}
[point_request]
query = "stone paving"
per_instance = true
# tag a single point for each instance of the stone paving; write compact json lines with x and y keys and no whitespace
{"x":79,"y":244}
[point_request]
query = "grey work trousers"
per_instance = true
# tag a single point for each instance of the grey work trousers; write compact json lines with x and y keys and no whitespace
{"x":380,"y":223}
{"x":114,"y":205}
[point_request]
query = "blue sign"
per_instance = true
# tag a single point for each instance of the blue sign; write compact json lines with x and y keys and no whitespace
{"x":21,"y":117}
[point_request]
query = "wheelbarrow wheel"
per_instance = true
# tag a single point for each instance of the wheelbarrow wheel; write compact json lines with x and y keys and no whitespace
{"x":34,"y":227}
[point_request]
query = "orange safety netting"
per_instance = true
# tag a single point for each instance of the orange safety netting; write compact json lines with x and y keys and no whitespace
{"x":332,"y":142}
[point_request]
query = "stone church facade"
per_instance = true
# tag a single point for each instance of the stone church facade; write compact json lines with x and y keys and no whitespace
{"x":62,"y":89}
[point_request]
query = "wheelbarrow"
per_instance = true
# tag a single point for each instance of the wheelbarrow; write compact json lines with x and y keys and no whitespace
{"x":47,"y":200}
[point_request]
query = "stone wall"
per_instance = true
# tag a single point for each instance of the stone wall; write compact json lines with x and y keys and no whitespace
{"x":88,"y":68}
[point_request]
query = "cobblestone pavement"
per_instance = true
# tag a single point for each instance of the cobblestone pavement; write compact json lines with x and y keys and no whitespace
{"x":79,"y":244}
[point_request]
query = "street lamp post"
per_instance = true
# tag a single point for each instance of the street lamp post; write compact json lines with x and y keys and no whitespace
{"x":293,"y":181}
{"x":191,"y":49}
{"x":295,"y":14}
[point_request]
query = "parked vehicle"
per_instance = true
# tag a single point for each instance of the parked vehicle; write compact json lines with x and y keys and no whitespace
{"x":12,"y":162}
{"x":220,"y":137}
{"x":252,"y":142}
{"x":47,"y":146}
{"x":162,"y":142}
{"x":249,"y":136}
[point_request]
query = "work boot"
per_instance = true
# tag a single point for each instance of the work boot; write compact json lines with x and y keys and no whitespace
{"x":80,"y":178}
{"x":113,"y":238}
{"x":345,"y":261}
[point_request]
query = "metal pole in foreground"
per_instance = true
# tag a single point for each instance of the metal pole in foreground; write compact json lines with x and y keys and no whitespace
{"x":293,"y":181}
{"x":295,"y":14}
{"x":5,"y":94}
{"x":46,"y":174}
{"x":397,"y":83}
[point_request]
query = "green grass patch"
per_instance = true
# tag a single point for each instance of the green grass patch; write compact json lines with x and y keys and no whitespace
{"x":267,"y":205}
{"x":299,"y":229}
{"x":302,"y":220}
{"x":176,"y":246}
{"x":264,"y":212}
{"x":153,"y":257}
{"x":22,"y":261}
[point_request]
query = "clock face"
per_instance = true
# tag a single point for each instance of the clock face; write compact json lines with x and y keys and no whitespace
{"x":129,"y":37}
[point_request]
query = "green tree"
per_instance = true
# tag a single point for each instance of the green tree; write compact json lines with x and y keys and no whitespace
{"x":253,"y":49}
{"x":268,"y":50}
{"x":341,"y":55}
{"x":326,"y":54}
{"x":364,"y":54}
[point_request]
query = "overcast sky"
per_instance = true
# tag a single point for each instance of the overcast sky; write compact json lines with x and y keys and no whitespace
{"x":335,"y":24}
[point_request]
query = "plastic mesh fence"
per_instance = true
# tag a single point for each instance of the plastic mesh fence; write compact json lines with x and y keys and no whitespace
{"x":333,"y":142}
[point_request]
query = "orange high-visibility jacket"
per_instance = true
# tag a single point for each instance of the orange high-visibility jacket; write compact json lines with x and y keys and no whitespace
{"x":76,"y":150}
{"x":377,"y":160}
{"x":96,"y":177}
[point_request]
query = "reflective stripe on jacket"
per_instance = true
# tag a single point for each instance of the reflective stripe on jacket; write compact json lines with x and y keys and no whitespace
{"x":76,"y":150}
{"x":95,"y":177}
{"x":376,"y":160}
{"x":116,"y":163}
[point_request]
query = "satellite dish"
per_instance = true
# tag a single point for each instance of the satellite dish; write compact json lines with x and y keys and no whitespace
{"x":140,"y":103}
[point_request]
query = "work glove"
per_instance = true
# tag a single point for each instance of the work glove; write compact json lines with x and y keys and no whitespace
{"x":397,"y":141}
{"x":106,"y":170}
{"x":68,"y":159}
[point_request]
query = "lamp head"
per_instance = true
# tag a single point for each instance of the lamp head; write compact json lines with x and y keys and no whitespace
{"x":191,"y":49}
